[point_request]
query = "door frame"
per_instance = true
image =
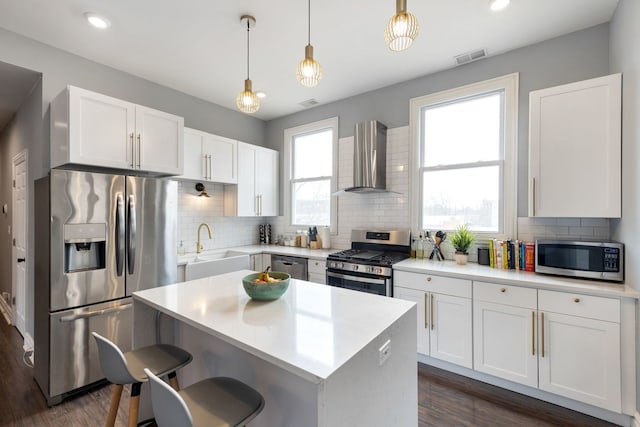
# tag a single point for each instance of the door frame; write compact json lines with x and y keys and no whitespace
{"x":21,"y":157}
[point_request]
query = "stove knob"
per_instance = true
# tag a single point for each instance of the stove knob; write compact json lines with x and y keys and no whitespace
{"x":378,"y":270}
{"x":355,"y":267}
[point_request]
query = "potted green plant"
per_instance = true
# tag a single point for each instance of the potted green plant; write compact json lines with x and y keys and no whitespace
{"x":461,"y":239}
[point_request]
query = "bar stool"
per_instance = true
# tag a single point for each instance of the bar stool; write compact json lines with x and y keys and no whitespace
{"x":214,"y":402}
{"x":128,"y":368}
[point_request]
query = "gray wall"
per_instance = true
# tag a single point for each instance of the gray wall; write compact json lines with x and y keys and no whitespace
{"x":24,"y":132}
{"x":577,"y":56}
{"x":625,"y":58}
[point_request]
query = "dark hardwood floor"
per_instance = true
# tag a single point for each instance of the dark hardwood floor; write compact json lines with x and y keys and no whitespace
{"x":445,"y":399}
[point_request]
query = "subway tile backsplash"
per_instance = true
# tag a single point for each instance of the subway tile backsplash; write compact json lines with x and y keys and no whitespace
{"x":369,"y":210}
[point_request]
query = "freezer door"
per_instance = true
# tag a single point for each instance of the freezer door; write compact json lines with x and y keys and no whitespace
{"x":84,"y":243}
{"x":152,"y":222}
{"x":73,"y":354}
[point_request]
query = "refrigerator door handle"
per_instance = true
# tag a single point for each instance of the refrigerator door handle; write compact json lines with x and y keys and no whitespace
{"x":131,"y":237}
{"x":74,"y":317}
{"x":120,"y":236}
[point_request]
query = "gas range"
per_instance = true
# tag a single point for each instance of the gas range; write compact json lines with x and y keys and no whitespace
{"x":367,"y":266}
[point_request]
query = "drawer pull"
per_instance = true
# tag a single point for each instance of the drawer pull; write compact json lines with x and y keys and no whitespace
{"x":533,"y":333}
{"x":542,"y":325}
{"x":576,"y":300}
{"x":428,"y":279}
{"x":503,"y":290}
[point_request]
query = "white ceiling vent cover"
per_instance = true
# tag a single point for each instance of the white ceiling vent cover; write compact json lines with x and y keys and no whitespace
{"x":309,"y":103}
{"x":474,"y":55}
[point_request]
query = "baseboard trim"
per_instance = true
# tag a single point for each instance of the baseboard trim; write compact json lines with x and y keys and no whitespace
{"x":6,"y":310}
{"x":636,"y":420}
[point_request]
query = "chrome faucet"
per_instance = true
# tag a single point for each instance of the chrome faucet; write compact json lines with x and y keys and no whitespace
{"x":198,"y":244}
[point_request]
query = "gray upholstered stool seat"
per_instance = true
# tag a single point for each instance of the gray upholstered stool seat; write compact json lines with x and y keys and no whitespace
{"x":128,"y":368}
{"x":214,"y":402}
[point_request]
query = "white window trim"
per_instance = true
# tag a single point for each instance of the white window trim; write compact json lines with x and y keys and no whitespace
{"x":289,"y":133}
{"x":510,"y":84}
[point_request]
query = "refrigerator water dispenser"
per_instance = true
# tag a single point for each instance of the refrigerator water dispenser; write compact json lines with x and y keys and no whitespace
{"x":84,"y":247}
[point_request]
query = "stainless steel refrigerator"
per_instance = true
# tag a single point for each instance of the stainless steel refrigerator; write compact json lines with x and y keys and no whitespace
{"x":98,"y":238}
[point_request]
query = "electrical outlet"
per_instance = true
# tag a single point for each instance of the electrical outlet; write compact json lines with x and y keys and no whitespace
{"x":384,"y":352}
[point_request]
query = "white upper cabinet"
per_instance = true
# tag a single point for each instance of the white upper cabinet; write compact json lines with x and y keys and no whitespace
{"x":209,"y":157}
{"x":92,"y":129}
{"x":257,"y":191}
{"x":575,"y":149}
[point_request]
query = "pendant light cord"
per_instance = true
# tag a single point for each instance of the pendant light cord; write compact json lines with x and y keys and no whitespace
{"x":309,"y":23}
{"x":248,"y":26}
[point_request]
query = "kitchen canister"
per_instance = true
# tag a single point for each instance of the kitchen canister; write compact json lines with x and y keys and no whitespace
{"x":325,"y":237}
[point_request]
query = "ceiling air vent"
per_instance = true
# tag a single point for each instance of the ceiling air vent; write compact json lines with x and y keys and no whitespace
{"x":467,"y":57}
{"x":309,"y":103}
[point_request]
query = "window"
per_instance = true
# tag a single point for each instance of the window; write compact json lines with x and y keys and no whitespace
{"x":464,"y":168}
{"x":310,"y":152}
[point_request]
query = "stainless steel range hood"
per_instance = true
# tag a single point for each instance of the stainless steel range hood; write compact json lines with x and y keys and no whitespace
{"x":369,"y":158}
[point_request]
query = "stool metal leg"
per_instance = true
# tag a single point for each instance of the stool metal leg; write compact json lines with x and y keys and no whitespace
{"x":134,"y":404}
{"x":115,"y":403}
{"x":173,"y":380}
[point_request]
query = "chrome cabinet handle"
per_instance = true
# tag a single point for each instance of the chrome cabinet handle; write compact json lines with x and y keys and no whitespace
{"x":210,"y":168}
{"x":576,"y":300}
{"x":533,"y":333}
{"x":426,"y":325}
{"x":533,"y":197}
{"x":139,"y":149}
{"x":433,"y":323}
{"x":204,"y":166}
{"x":133,"y":156}
{"x":503,"y":290}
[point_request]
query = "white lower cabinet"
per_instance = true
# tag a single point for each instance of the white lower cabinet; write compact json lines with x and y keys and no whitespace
{"x":258,"y":262}
{"x":444,"y":315}
{"x":563,"y":343}
{"x":317,"y":271}
{"x":505,"y":332}
{"x":580,"y":348}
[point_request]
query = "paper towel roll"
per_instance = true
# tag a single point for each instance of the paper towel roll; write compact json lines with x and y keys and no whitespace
{"x":325,"y":237}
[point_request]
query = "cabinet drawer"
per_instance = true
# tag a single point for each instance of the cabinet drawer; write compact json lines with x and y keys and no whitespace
{"x":318,"y":278}
{"x":433,"y":283}
{"x":588,"y":306}
{"x":504,"y":294}
{"x":317,"y":266}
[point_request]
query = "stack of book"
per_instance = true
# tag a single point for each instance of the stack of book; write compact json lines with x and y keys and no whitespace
{"x":511,"y":255}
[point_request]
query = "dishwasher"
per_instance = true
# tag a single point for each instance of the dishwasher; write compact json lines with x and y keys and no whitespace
{"x":295,"y":266}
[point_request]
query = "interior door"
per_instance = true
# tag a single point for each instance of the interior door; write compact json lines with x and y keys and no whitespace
{"x":20,"y":193}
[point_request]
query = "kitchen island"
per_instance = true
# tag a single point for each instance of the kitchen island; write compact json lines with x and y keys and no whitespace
{"x":320,"y":356}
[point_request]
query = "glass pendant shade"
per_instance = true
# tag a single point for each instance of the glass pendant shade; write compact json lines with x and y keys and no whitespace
{"x":247,"y":101}
{"x":309,"y":71}
{"x":402,"y":29}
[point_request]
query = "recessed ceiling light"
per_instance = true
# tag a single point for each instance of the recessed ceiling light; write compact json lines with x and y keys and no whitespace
{"x":97,"y":21}
{"x":260,"y":94}
{"x":498,"y":4}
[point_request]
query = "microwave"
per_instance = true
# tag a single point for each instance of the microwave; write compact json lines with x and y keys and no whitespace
{"x":588,"y":260}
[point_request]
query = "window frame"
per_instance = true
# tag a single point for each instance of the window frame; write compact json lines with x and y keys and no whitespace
{"x":508,"y":172}
{"x":289,"y":135}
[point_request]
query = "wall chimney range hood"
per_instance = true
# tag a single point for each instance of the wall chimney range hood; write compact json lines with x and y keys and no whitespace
{"x":369,"y":158}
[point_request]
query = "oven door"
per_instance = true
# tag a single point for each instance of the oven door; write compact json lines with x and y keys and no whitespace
{"x":360,"y":282}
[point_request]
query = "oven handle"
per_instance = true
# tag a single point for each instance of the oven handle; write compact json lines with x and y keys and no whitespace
{"x":357,"y":278}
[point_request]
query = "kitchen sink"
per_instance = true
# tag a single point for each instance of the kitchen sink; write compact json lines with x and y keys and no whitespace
{"x":213,"y":263}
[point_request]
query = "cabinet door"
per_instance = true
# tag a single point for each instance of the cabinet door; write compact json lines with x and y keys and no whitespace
{"x":580,"y":359}
{"x":194,"y":161}
{"x":451,"y":329}
{"x":504,"y":341}
{"x":245,"y":196}
{"x":159,"y":141}
{"x":420,"y":298}
{"x":575,"y":149}
{"x":101,"y":130}
{"x":220,"y":156}
{"x":267,"y":181}
{"x":256,"y":262}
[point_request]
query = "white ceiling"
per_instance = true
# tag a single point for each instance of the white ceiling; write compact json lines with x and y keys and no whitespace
{"x":199,"y":46}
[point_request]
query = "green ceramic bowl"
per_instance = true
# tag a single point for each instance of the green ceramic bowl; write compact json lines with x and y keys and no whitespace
{"x":266,"y":291}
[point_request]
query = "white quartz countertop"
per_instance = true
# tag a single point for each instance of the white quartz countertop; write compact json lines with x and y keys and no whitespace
{"x":485,"y":273}
{"x":312,"y":330}
{"x":318,"y":254}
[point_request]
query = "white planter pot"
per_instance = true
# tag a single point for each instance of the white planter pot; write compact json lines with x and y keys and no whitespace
{"x":461,"y":258}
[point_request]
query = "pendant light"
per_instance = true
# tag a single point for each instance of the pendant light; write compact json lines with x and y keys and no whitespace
{"x":309,"y":71}
{"x":498,"y":4}
{"x":402,"y":29}
{"x":247,"y":101}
